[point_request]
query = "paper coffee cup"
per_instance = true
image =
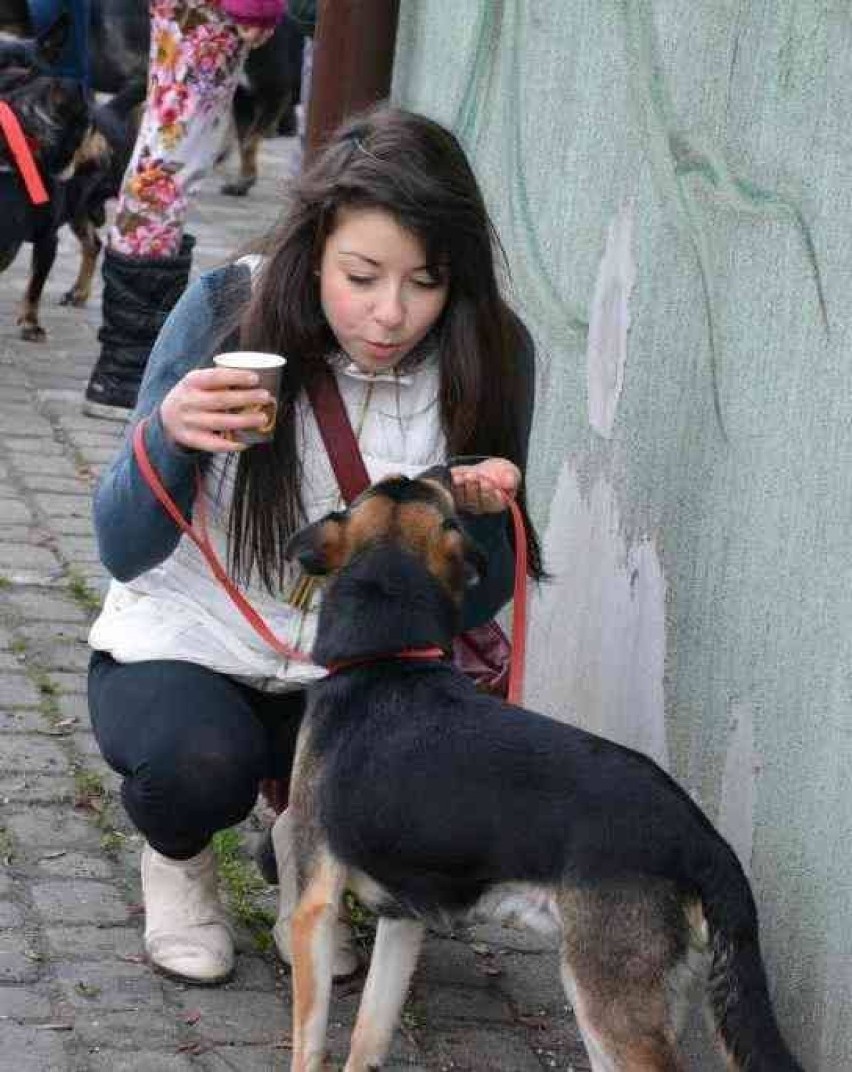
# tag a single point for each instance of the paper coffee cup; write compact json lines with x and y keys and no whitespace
{"x":268,"y":368}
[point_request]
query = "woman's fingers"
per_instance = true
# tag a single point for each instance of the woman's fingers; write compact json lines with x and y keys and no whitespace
{"x":205,"y":409}
{"x":484,"y":488}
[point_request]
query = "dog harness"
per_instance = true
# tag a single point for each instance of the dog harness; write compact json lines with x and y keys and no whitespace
{"x":22,"y":155}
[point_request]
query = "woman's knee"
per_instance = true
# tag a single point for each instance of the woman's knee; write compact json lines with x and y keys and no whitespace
{"x":208,"y":774}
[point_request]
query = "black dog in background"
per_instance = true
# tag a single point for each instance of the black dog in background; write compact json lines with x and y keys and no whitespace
{"x":264,"y":102}
{"x":81,"y":149}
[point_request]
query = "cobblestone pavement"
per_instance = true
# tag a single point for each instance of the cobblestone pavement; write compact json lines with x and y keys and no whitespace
{"x":75,"y":993}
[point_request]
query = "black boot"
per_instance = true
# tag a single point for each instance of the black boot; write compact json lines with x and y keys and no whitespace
{"x":139,"y":293}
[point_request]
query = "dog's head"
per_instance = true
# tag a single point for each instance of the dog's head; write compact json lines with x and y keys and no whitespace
{"x":54,"y":112}
{"x":416,"y":516}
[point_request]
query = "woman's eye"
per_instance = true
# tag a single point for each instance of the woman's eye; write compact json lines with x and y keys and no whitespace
{"x":360,"y":280}
{"x":427,"y":284}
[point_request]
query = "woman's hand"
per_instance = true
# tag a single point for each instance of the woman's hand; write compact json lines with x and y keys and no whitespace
{"x":485,"y":487}
{"x":204,"y":409}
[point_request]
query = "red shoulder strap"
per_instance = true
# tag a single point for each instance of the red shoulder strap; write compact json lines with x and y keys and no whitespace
{"x":343,"y":451}
{"x":22,"y":155}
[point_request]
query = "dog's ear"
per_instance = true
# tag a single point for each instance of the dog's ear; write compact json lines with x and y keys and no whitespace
{"x":475,"y":564}
{"x":50,"y":42}
{"x":474,"y":559}
{"x":318,"y":548}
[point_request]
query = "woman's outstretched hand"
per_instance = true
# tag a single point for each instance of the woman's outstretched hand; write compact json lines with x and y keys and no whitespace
{"x":485,"y":487}
{"x":205,"y":408}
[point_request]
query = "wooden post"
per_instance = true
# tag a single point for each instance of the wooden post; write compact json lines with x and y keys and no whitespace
{"x":352,"y":63}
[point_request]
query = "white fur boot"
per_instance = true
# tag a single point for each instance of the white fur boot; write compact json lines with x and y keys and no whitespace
{"x":346,"y":959}
{"x":186,"y":930}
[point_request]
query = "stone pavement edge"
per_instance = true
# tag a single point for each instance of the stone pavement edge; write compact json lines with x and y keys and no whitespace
{"x":75,"y":993}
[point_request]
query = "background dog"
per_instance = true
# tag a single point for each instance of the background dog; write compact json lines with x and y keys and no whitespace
{"x":428,"y":799}
{"x":265,"y":100}
{"x":82,"y":149}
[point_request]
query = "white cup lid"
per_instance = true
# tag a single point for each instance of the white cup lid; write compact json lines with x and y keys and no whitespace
{"x":249,"y":359}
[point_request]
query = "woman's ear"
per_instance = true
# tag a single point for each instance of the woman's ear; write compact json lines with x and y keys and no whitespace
{"x":318,"y":548}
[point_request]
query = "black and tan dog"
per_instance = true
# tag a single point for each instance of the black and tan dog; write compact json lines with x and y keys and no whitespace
{"x":429,"y":799}
{"x":81,"y":149}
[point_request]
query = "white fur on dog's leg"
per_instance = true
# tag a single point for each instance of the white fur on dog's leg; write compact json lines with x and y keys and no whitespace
{"x":313,"y":955}
{"x":395,"y":954}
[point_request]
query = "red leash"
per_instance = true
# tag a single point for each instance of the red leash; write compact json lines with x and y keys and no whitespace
{"x":201,"y":540}
{"x":22,"y":155}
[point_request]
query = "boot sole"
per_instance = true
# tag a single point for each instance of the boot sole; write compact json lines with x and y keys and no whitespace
{"x":103,"y":411}
{"x":189,"y":979}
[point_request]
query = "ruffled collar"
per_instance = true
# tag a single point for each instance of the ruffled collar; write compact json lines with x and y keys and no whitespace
{"x":424,"y":355}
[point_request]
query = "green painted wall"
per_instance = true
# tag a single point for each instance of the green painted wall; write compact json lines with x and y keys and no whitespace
{"x":693,"y":474}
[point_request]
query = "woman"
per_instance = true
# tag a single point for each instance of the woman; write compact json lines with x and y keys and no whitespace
{"x":382,"y":270}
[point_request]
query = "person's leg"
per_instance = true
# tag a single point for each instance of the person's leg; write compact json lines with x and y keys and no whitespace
{"x":195,"y":61}
{"x":188,"y":744}
{"x":192,"y":750}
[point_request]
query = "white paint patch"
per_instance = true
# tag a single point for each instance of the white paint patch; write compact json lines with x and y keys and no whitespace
{"x":597,"y":642}
{"x":736,"y":810}
{"x":609,"y":323}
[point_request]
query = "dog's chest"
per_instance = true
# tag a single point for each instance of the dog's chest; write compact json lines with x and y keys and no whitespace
{"x":20,"y":221}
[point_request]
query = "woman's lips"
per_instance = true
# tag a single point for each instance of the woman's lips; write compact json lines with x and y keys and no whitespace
{"x":383,"y":349}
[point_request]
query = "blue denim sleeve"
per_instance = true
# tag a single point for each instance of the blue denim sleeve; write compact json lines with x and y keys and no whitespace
{"x":133,"y":532}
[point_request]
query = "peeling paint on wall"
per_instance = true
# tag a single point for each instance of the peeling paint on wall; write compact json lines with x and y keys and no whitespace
{"x":606,"y":352}
{"x":736,"y":811}
{"x":597,"y":644}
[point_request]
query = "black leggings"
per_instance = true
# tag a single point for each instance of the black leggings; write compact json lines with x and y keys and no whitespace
{"x":193,"y":745}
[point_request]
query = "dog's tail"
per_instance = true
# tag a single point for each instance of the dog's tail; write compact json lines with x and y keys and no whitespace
{"x":739,"y":991}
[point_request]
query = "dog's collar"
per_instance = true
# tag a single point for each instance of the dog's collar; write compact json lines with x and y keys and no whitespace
{"x":413,"y":654}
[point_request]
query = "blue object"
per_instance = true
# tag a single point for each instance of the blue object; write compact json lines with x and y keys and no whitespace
{"x":74,"y":61}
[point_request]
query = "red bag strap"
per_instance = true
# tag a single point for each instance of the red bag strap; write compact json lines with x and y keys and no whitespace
{"x":338,"y":436}
{"x":343,"y":451}
{"x":200,"y":539}
{"x":22,"y":155}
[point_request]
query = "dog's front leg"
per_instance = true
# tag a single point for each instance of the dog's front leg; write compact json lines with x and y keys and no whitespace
{"x":395,"y":954}
{"x":312,"y":943}
{"x":44,"y":254}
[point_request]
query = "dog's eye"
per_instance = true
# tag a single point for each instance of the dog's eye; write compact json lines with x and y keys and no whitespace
{"x":472,"y":575}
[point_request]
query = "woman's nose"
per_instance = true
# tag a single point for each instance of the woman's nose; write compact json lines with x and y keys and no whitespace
{"x":389,"y":310}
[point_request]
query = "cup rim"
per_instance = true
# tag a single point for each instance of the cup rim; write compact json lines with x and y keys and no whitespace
{"x":249,"y":359}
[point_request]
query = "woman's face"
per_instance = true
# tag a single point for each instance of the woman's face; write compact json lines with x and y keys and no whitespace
{"x":378,"y":294}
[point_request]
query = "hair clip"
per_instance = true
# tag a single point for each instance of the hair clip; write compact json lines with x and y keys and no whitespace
{"x":361,"y":147}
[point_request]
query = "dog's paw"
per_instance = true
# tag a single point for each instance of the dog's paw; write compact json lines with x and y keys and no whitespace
{"x":237,"y":188}
{"x":31,"y":332}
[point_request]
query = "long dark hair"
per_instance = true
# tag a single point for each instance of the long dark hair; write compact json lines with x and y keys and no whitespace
{"x":415,"y":169}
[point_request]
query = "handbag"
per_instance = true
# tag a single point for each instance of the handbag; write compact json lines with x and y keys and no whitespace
{"x":484,"y":652}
